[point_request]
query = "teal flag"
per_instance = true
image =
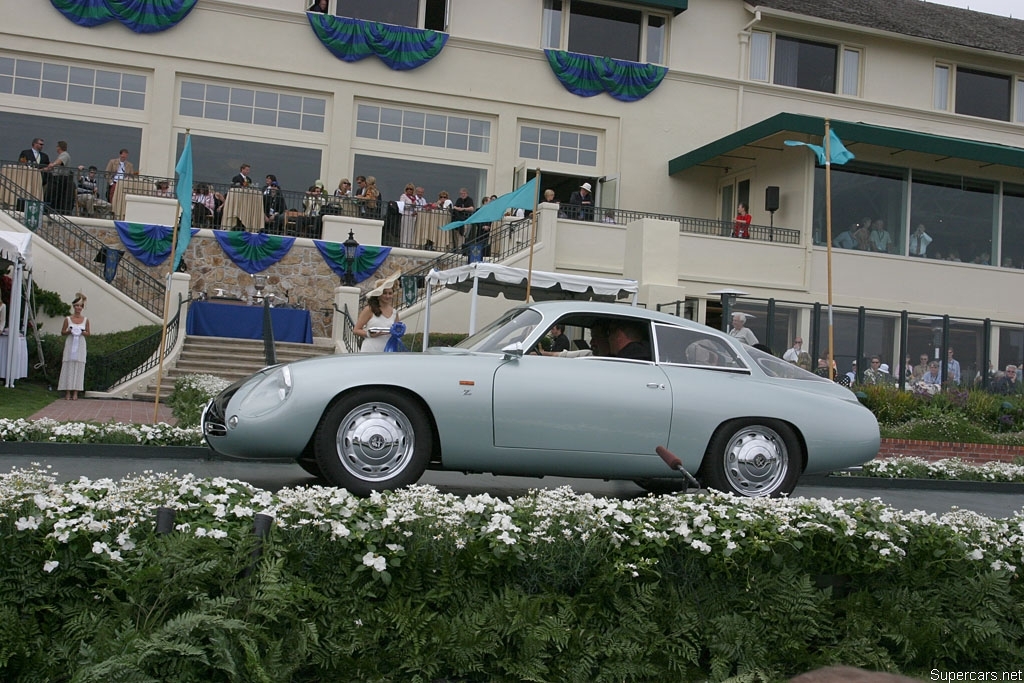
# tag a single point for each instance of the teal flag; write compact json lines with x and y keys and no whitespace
{"x":523,"y":198}
{"x":837,"y":150}
{"x":183,"y":188}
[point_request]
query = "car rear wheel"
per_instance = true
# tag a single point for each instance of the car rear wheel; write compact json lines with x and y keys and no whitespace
{"x":754,"y":457}
{"x":373,"y":440}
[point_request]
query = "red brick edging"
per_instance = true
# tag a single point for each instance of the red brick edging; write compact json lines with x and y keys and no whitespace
{"x":940,"y":450}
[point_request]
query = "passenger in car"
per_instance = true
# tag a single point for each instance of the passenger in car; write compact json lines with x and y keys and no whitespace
{"x":626,"y":339}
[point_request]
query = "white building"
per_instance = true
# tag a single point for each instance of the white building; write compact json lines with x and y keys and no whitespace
{"x":929,"y":98}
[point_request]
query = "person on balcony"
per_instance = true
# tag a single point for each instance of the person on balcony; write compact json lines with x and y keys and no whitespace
{"x":88,"y":194}
{"x":741,"y":228}
{"x":117,"y":169}
{"x":581,"y":204}
{"x":919,"y":241}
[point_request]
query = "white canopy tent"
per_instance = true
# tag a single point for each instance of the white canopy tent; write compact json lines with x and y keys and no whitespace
{"x":16,"y":247}
{"x":492,"y":279}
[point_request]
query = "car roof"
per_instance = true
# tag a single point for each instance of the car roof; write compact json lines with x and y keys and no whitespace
{"x":556,"y":309}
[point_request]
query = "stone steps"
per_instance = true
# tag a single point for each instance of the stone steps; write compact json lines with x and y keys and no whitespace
{"x":230,"y":359}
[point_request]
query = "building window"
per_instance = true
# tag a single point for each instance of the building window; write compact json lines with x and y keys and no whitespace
{"x":69,"y":83}
{"x":428,"y":129}
{"x":941,"y":85}
{"x":731,"y":194}
{"x":805,"y":64}
{"x":973,"y":92}
{"x":982,"y":94}
{"x":428,"y":14}
{"x":594,"y":28}
{"x":560,"y":146}
{"x":254,"y":107}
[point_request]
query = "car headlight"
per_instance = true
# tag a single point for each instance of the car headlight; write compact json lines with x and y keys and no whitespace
{"x":272,"y":390}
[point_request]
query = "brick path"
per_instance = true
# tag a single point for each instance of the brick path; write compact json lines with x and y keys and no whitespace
{"x":105,"y":410}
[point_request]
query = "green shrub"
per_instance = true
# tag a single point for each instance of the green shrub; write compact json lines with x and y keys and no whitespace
{"x":940,"y":425}
{"x":103,"y":364}
{"x":415,"y":585}
{"x":190,"y":394}
{"x":414,"y":340}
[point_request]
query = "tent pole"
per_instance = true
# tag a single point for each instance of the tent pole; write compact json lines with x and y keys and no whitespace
{"x":472,"y":303}
{"x":426,"y":317}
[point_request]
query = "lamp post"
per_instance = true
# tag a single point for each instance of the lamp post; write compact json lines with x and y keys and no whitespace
{"x":351,"y":245}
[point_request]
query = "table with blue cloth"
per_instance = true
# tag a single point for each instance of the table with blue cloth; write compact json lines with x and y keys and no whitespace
{"x":207,"y":319}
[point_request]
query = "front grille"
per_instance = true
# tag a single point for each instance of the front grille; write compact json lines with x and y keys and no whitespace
{"x":214,"y":415}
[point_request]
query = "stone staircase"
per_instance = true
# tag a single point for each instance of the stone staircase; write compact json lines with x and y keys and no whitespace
{"x":231,"y":359}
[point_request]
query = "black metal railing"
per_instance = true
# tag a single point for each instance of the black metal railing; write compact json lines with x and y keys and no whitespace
{"x":82,"y":247}
{"x":700,"y":226}
{"x":348,"y":326}
{"x":497,"y":245}
{"x":133,"y":361}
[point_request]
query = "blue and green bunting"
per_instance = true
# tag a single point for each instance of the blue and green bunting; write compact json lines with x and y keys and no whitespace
{"x":251,"y":251}
{"x":150,"y":244}
{"x":587,"y":75}
{"x":400,"y":47}
{"x":141,"y":16}
{"x":368,"y":259}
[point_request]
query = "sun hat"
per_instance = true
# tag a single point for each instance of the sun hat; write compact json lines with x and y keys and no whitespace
{"x":381,"y":285}
{"x":585,"y":186}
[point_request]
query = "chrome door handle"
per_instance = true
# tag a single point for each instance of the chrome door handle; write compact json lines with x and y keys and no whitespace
{"x":655,"y":385}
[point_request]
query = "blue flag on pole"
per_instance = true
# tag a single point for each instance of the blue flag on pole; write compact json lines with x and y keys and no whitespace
{"x":840,"y":155}
{"x":183,"y":188}
{"x":525,"y":197}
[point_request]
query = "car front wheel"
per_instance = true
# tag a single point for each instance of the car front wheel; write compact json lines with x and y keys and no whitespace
{"x":753,"y":458}
{"x":373,"y":440}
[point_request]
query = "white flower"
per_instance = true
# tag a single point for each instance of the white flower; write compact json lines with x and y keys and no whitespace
{"x":26,"y":523}
{"x":976,"y":554}
{"x":378,"y":562}
{"x":218,"y":533}
{"x":50,"y":565}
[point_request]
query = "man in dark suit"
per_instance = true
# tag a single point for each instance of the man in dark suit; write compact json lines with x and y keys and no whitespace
{"x":35,"y":155}
{"x":242,"y":179}
{"x":581,"y":204}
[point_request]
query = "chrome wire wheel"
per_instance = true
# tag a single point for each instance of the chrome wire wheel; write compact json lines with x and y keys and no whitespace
{"x":756,"y":461}
{"x":375,"y":441}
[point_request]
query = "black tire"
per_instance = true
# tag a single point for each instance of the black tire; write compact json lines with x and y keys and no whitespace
{"x":662,"y":487}
{"x":753,"y":458}
{"x":373,"y":440}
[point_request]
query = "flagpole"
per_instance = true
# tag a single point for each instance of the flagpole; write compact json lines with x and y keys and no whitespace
{"x":828,"y":244}
{"x":167,"y":298}
{"x":533,"y":236}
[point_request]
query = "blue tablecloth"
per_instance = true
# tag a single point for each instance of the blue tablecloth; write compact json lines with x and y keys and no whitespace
{"x":246,"y":322}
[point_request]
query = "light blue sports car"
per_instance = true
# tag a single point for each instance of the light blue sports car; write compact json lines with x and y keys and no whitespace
{"x":739,"y":419}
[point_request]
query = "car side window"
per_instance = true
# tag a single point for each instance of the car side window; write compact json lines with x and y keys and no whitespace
{"x":683,"y":346}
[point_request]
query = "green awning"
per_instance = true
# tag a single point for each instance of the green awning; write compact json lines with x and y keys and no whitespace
{"x":849,"y":132}
{"x":676,"y":6}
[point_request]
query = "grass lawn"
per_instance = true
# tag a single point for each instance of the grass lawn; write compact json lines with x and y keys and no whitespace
{"x":25,"y":399}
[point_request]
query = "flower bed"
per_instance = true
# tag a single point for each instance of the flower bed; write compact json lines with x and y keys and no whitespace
{"x":47,"y":430}
{"x":418,"y":585}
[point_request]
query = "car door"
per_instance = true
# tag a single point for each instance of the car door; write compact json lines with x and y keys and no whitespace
{"x":597,"y":405}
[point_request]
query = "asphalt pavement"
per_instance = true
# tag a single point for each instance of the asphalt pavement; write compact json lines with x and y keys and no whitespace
{"x":97,"y":461}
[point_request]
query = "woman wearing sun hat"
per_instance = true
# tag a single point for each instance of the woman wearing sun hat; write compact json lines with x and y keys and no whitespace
{"x":375,"y":320}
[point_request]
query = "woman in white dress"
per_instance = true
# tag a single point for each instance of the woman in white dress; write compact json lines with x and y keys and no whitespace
{"x":375,"y":320}
{"x":72,"y":371}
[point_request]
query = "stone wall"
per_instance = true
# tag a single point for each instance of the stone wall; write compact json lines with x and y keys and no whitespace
{"x":302,"y":273}
{"x":941,"y":450}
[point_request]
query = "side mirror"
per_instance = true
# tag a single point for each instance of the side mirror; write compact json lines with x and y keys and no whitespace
{"x":513,"y":350}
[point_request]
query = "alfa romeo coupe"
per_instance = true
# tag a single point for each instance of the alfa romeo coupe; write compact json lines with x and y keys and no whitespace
{"x":739,"y":419}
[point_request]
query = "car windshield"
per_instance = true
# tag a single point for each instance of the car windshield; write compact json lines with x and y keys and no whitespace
{"x":514,"y":326}
{"x":776,"y":367}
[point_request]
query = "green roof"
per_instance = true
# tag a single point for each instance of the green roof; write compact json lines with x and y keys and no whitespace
{"x":676,"y":6}
{"x":849,"y":132}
